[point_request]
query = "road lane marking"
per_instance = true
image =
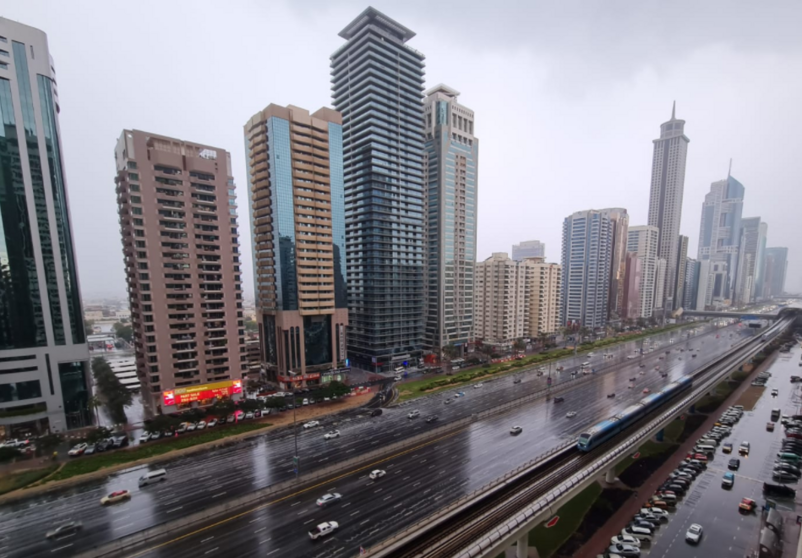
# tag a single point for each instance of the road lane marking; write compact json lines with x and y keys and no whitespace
{"x":212,"y":550}
{"x":272,"y":551}
{"x":204,"y":541}
{"x":61,"y":547}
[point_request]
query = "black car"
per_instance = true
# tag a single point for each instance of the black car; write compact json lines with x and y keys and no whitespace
{"x":610,"y":395}
{"x":376,"y":413}
{"x":103,"y":445}
{"x":119,"y":441}
{"x":516,"y":381}
{"x":433,"y":418}
{"x":734,"y":464}
{"x":559,"y":399}
{"x":778,"y":490}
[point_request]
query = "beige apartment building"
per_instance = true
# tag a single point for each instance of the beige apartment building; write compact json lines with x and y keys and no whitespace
{"x":178,"y":219}
{"x":296,"y":185}
{"x":542,"y":292}
{"x":514,"y":299}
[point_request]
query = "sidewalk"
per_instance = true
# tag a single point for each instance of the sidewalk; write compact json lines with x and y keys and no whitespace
{"x":601,"y":540}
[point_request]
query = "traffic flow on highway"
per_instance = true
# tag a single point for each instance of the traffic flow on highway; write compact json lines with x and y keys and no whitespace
{"x":370,"y":506}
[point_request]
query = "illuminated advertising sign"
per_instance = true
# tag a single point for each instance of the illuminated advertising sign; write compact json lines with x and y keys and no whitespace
{"x":200,"y":392}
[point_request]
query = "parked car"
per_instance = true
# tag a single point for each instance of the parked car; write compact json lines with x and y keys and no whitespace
{"x":77,"y":450}
{"x":624,"y":550}
{"x":621,"y":539}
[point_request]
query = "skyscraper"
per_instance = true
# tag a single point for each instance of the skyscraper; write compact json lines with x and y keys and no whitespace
{"x":451,"y":154}
{"x":295,"y":170}
{"x":619,"y":220}
{"x":750,"y":259}
{"x":587,"y":252}
{"x":528,"y":249}
{"x":775,"y":271}
{"x":43,"y":353}
{"x":692,"y":268}
{"x":720,"y":230}
{"x":665,"y":200}
{"x":679,"y":282}
{"x":642,"y":241}
{"x":178,"y":218}
{"x":378,"y":88}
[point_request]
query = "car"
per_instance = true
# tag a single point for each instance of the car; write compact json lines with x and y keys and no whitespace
{"x":413,"y":414}
{"x":90,"y":449}
{"x":657,"y":512}
{"x":332,"y":434}
{"x":570,"y":414}
{"x":641,"y":365}
{"x":559,"y":399}
{"x":649,"y":518}
{"x":477,"y":386}
{"x":747,"y":505}
{"x":64,"y":529}
{"x":377,"y":474}
{"x":784,"y":467}
{"x":637,"y":532}
{"x":775,"y":393}
{"x":77,"y":450}
{"x":781,"y":476}
{"x":396,"y":378}
{"x":610,"y":395}
{"x":328,"y":499}
{"x":201,"y":425}
{"x":516,"y":430}
{"x":155,"y":435}
{"x":624,"y":550}
{"x":516,"y":381}
{"x":311,"y":424}
{"x":115,"y":497}
{"x":643,"y":525}
{"x":212,"y":423}
{"x":191,"y":426}
{"x":621,"y":539}
{"x":646,"y":390}
{"x":728,"y":480}
{"x":446,"y":402}
{"x":144,"y":437}
{"x":323,"y":529}
{"x":744,"y":448}
{"x":734,"y":464}
{"x":432,"y":418}
{"x":376,"y":413}
{"x":694,"y":533}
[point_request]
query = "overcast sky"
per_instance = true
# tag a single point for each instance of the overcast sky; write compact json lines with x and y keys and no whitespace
{"x":568,"y":98}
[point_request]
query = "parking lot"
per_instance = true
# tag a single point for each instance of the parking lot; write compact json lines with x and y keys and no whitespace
{"x":728,"y":531}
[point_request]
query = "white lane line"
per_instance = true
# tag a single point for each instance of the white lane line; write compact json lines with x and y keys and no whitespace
{"x":61,"y":547}
{"x":268,"y":539}
{"x":346,"y":505}
{"x":295,"y":504}
{"x":356,"y":512}
{"x":308,"y":522}
{"x":259,"y":530}
{"x":212,"y":550}
{"x":366,"y":521}
{"x":175,"y":509}
{"x":390,"y":496}
{"x":204,"y":541}
{"x":273,"y":552}
{"x":216,"y":495}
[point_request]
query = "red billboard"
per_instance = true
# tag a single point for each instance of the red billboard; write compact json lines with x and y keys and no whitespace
{"x":200,"y":392}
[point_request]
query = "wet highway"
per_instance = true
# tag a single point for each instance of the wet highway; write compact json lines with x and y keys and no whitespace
{"x":416,"y":484}
{"x":727,"y":532}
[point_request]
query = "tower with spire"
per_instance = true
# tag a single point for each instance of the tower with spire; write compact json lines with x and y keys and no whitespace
{"x":665,"y":200}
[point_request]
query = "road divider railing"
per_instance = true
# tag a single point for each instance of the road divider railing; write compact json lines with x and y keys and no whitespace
{"x":710,"y":374}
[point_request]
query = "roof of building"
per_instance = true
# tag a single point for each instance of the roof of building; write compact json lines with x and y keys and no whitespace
{"x":373,"y":16}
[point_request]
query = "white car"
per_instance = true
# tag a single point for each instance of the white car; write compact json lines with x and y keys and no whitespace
{"x":191,"y":426}
{"x":477,"y":386}
{"x":516,"y":430}
{"x":622,"y":539}
{"x":311,"y":424}
{"x":590,"y":354}
{"x":115,"y":497}
{"x":657,"y":512}
{"x":377,"y":474}
{"x":571,"y":414}
{"x":212,"y":423}
{"x":249,"y":415}
{"x":144,"y":438}
{"x":327,"y":499}
{"x":77,"y":450}
{"x":323,"y":529}
{"x":202,"y":425}
{"x":332,"y":434}
{"x":413,"y":414}
{"x":694,"y":534}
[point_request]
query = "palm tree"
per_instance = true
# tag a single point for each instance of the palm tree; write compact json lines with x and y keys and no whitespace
{"x":450,"y":351}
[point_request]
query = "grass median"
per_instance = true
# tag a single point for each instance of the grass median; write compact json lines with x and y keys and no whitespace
{"x":419,"y":388}
{"x":549,"y":539}
{"x":14,"y":481}
{"x":90,"y":464}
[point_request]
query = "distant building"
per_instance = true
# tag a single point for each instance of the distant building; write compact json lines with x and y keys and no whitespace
{"x":659,"y":285}
{"x":500,"y":302}
{"x":587,"y":253}
{"x":542,"y":294}
{"x":253,"y":351}
{"x":750,"y":260}
{"x":528,"y":249}
{"x":775,"y":272}
{"x":451,"y":153}
{"x":619,"y":221}
{"x":298,"y":234}
{"x":642,"y":241}
{"x":665,"y":200}
{"x":125,"y":370}
{"x":631,"y":302}
{"x":679,"y":282}
{"x":44,"y":374}
{"x":720,"y":229}
{"x":691,"y":290}
{"x":703,"y":290}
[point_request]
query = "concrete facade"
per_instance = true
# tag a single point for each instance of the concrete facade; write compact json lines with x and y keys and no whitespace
{"x":542,"y":295}
{"x":633,"y":279}
{"x":500,"y":301}
{"x":642,"y":241}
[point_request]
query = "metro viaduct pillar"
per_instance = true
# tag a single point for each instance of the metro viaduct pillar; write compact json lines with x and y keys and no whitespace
{"x":609,"y":476}
{"x":523,"y":550}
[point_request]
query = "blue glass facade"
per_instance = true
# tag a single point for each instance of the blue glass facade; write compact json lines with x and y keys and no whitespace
{"x":337,"y":212}
{"x":377,"y":87}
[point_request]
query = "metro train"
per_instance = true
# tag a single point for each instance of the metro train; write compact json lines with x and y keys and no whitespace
{"x":605,"y":430}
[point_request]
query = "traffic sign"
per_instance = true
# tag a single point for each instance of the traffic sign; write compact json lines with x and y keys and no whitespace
{"x":553,"y":521}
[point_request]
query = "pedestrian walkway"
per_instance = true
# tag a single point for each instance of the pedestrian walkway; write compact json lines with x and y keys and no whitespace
{"x":601,"y":540}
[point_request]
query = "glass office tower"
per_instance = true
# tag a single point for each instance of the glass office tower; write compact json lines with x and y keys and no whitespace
{"x":378,"y":89}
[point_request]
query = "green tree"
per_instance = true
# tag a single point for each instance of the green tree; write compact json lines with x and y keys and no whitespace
{"x":97,"y":434}
{"x":95,"y":403}
{"x":250,"y":405}
{"x":88,"y":326}
{"x":338,"y":389}
{"x":162,"y":423}
{"x":450,"y":351}
{"x":222,"y":408}
{"x":113,"y":392}
{"x":124,"y":331}
{"x":519,"y":344}
{"x":251,"y":325}
{"x":7,"y":454}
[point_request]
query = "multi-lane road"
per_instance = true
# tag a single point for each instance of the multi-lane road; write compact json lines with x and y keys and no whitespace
{"x":417,"y":483}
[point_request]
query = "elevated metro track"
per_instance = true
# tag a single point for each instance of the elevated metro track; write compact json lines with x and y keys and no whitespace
{"x":484,"y":525}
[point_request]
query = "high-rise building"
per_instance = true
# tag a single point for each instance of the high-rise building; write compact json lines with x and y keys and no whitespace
{"x":500,"y":300}
{"x":704,"y":289}
{"x":720,"y":229}
{"x":633,"y":279}
{"x":178,"y":218}
{"x":295,"y":179}
{"x":775,"y":272}
{"x":665,"y":200}
{"x":679,"y":282}
{"x":750,"y":259}
{"x":44,"y":377}
{"x":378,"y":89}
{"x":451,"y":154}
{"x":691,"y":290}
{"x":619,"y":220}
{"x":659,"y":286}
{"x":542,"y":293}
{"x":587,"y":252}
{"x":528,"y":249}
{"x":642,"y":241}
